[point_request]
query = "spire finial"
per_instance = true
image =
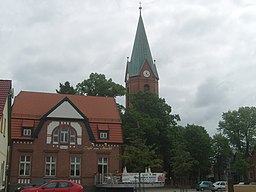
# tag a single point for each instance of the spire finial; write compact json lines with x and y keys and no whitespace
{"x":140,"y":8}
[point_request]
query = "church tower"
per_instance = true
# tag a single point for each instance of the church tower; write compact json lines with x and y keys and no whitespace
{"x":141,"y":73}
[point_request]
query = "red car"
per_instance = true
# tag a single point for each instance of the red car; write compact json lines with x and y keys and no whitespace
{"x":57,"y":186}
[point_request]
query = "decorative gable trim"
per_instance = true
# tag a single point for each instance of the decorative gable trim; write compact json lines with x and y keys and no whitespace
{"x":53,"y":114}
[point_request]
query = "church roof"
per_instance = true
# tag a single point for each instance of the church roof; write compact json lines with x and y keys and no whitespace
{"x":140,"y":53}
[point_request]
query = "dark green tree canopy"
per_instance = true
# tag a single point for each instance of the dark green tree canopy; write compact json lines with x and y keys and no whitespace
{"x":240,"y":128}
{"x":98,"y":85}
{"x":198,"y":143}
{"x":66,"y":88}
{"x":149,"y":119}
{"x":221,"y":155}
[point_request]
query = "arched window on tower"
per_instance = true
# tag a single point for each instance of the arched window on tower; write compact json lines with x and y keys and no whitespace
{"x":146,"y":88}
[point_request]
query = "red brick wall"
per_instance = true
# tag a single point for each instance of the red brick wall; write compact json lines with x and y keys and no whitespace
{"x":88,"y":152}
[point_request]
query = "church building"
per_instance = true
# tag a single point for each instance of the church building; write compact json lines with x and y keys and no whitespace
{"x":141,"y":72}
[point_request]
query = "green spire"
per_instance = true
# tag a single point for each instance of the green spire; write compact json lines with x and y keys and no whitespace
{"x":140,"y":52}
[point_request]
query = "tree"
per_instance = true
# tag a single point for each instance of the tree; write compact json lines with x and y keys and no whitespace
{"x":221,"y":155}
{"x":66,"y":88}
{"x":182,"y":162}
{"x":240,"y":128}
{"x":138,"y":153}
{"x":138,"y":156}
{"x":198,"y":144}
{"x":98,"y":85}
{"x":152,"y":118}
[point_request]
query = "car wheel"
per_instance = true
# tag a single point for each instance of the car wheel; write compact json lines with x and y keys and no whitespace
{"x":201,"y":189}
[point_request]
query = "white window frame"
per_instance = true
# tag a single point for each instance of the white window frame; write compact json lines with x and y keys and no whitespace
{"x":64,"y":135}
{"x":72,"y":136}
{"x":75,"y":166}
{"x":55,"y":137}
{"x":50,"y":163}
{"x":102,"y":167}
{"x":27,"y":132}
{"x":25,"y":163}
{"x":103,"y":135}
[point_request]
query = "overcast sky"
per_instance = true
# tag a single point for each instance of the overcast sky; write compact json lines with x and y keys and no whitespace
{"x":205,"y":50}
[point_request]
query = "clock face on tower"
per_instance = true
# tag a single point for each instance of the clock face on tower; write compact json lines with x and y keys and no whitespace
{"x":146,"y":73}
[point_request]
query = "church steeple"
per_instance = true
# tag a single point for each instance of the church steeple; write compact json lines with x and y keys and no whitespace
{"x":140,"y":52}
{"x":141,"y":72}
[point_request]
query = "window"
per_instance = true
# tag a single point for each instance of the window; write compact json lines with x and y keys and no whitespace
{"x":1,"y":125}
{"x":75,"y":166}
{"x":64,"y":184}
{"x":4,"y":127}
{"x":103,"y":165}
{"x":51,"y":185}
{"x":64,"y":135}
{"x":2,"y":174}
{"x":55,"y":136}
{"x":146,"y":88}
{"x":24,"y":169}
{"x":72,"y":136}
{"x":103,"y":134}
{"x":27,"y":132}
{"x":50,"y":166}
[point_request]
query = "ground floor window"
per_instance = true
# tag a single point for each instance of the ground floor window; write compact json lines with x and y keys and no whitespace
{"x":24,"y":167}
{"x":2,"y":174}
{"x":75,"y":166}
{"x":50,"y":166}
{"x":103,"y":165}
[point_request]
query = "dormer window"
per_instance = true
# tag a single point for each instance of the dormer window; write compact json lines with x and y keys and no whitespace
{"x":103,"y":134}
{"x":27,"y":132}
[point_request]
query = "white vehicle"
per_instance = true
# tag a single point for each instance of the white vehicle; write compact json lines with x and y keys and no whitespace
{"x":219,"y":186}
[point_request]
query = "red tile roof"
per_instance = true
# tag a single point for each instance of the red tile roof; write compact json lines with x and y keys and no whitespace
{"x":34,"y":105}
{"x":5,"y":87}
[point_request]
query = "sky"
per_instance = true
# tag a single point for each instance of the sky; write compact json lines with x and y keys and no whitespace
{"x":205,"y":50}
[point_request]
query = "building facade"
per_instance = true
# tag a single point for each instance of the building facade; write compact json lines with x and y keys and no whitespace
{"x":5,"y":109}
{"x":65,"y":137}
{"x":141,"y":72}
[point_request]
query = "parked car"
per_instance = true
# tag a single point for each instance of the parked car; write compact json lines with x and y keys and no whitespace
{"x":219,"y":186}
{"x":31,"y":185}
{"x":203,"y":185}
{"x":57,"y":186}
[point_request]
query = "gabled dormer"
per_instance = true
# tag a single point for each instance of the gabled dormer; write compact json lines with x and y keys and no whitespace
{"x":64,"y":128}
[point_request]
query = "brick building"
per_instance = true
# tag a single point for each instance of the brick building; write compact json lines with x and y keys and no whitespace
{"x":64,"y":136}
{"x":5,"y":111}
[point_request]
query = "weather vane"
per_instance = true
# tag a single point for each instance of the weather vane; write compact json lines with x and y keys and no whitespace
{"x":140,"y":7}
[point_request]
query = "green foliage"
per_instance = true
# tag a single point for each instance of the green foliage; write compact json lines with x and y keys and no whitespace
{"x":182,"y":162}
{"x":240,"y":128}
{"x":150,"y":120}
{"x":198,"y":144}
{"x":241,"y":163}
{"x":98,"y":85}
{"x":221,"y":155}
{"x":137,"y":156}
{"x":66,"y":89}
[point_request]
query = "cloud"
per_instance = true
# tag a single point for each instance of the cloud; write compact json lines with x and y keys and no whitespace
{"x":204,"y":50}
